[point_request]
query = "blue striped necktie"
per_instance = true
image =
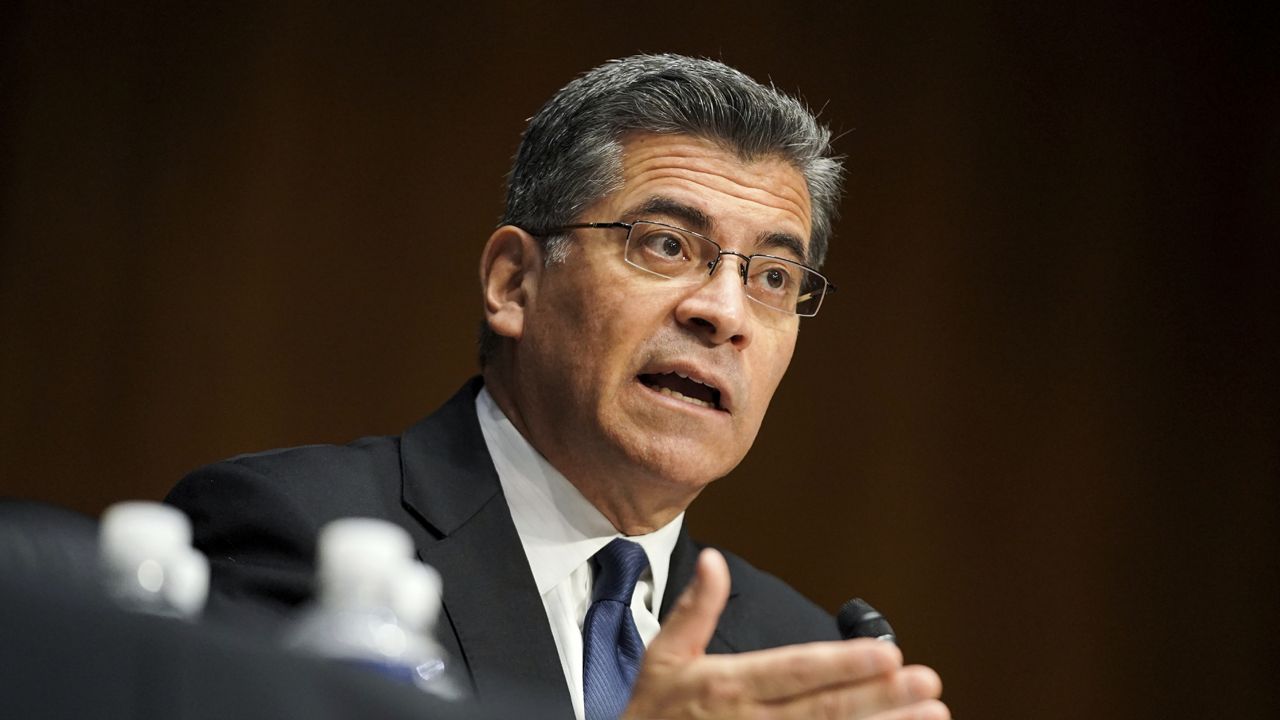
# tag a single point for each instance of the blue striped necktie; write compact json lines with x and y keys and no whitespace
{"x":612,"y":647}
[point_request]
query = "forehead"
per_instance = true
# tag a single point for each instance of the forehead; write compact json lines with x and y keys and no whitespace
{"x":760,"y":196}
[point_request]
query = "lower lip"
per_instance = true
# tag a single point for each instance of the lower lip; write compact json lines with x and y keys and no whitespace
{"x":676,"y":402}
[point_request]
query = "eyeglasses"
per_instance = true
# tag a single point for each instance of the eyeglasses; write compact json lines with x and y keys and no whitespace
{"x":689,"y":258}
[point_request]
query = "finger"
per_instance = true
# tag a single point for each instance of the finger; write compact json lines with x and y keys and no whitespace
{"x":689,"y":626}
{"x":898,"y":694}
{"x":793,"y":670}
{"x":923,"y":710}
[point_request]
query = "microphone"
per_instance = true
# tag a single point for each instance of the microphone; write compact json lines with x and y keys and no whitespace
{"x":857,"y":619}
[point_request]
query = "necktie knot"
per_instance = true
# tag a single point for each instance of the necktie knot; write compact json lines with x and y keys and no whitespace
{"x":620,"y":565}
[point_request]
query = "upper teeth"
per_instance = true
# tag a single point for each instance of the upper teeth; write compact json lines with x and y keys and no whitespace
{"x":686,"y":377}
{"x":681,"y":396}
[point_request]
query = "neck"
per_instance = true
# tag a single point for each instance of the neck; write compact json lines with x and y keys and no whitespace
{"x":632,"y":515}
{"x":634,"y":502}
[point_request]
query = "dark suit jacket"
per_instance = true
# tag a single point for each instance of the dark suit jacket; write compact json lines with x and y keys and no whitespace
{"x":257,"y":517}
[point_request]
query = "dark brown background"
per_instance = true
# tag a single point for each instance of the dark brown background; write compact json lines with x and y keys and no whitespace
{"x":1037,"y":426}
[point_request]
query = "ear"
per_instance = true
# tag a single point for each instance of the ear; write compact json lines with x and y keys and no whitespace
{"x":509,"y":269}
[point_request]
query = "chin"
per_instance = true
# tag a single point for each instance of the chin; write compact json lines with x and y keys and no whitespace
{"x":680,"y":463}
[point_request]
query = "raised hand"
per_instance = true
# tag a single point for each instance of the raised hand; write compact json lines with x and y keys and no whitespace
{"x":823,"y":681}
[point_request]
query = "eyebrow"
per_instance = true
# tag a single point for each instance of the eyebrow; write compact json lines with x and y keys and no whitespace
{"x":691,"y":218}
{"x":783,"y":241}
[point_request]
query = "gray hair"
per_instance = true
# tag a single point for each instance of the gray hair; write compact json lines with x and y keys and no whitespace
{"x":571,"y":153}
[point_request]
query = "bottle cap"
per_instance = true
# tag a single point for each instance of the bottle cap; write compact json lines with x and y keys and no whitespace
{"x":148,"y":560}
{"x":415,"y":596}
{"x":135,"y":525}
{"x":135,"y":531}
{"x":187,"y":584}
{"x":356,"y":555}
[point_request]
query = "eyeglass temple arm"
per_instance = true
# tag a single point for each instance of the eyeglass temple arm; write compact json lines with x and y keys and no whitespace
{"x":601,"y":225}
{"x":825,"y":292}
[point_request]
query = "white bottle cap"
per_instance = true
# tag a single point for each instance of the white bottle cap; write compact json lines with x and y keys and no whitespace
{"x":187,"y":584}
{"x":149,"y":562}
{"x":356,"y":555}
{"x":131,"y":532}
{"x":139,"y":521}
{"x":415,"y":596}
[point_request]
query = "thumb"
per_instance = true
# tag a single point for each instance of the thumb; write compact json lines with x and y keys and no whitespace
{"x":688,"y":627}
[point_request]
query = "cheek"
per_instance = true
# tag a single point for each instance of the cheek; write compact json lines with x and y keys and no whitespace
{"x":620,"y":319}
{"x":779,"y":343}
{"x":772,"y":368}
{"x":586,"y":332}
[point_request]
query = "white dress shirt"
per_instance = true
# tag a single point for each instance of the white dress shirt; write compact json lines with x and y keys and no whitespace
{"x":560,"y":531}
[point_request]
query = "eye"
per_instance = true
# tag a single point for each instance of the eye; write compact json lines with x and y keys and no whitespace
{"x":773,"y":278}
{"x":669,"y":247}
{"x":666,"y":247}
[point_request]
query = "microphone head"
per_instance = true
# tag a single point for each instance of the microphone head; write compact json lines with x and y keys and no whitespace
{"x":857,"y":619}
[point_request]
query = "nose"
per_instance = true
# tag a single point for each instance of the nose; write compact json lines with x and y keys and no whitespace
{"x":717,"y":309}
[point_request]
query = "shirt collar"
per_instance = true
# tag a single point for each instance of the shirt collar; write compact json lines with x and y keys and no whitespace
{"x":558,"y":527}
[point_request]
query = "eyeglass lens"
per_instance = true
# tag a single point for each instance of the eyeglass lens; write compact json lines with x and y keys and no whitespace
{"x":681,"y":255}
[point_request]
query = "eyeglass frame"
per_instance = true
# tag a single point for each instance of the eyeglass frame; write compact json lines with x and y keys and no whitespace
{"x":711,"y":265}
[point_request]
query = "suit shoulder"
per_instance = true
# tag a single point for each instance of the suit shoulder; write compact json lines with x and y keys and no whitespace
{"x":316,"y":482}
{"x":316,"y":462}
{"x":256,"y":516}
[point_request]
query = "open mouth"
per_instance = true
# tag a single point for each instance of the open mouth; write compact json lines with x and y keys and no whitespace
{"x":683,"y":388}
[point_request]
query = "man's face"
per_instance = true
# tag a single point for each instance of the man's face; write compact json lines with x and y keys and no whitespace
{"x":601,"y":338}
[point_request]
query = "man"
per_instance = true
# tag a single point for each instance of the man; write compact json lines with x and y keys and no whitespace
{"x":642,"y":297}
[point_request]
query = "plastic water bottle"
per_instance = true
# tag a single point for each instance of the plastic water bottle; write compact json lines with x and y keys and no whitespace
{"x":376,"y":606}
{"x":148,"y":564}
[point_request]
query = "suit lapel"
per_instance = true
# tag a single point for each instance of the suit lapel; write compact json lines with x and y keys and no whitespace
{"x":684,"y":561}
{"x":465,"y":531}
